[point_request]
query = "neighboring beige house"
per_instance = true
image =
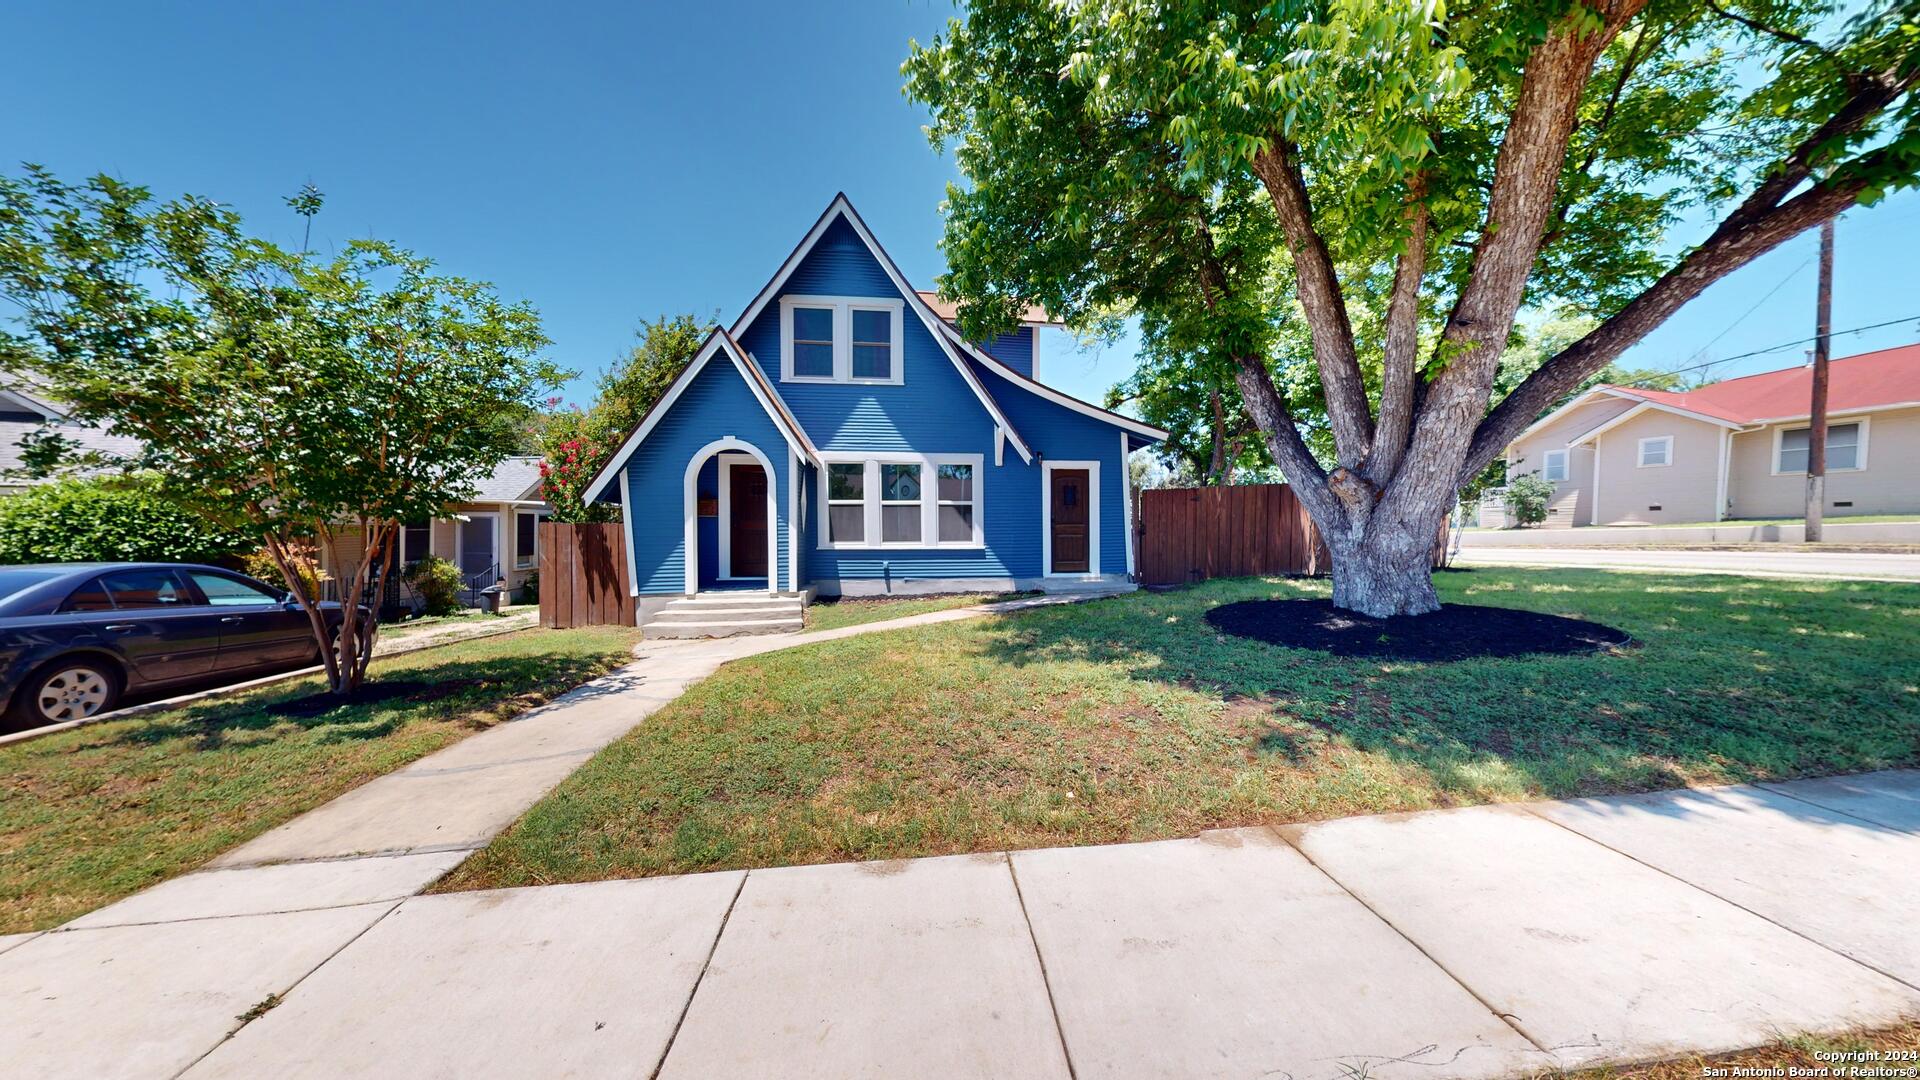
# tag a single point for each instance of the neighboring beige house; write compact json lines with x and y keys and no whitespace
{"x":494,"y":537}
{"x":1620,"y":455}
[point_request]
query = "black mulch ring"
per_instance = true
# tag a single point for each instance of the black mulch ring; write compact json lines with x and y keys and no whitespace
{"x":324,"y":702}
{"x":1455,"y":632}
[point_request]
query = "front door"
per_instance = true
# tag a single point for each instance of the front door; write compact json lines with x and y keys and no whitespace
{"x":1070,"y":497}
{"x":479,"y":558}
{"x":747,"y":532}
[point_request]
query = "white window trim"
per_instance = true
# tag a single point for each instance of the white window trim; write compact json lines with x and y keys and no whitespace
{"x":828,"y":502}
{"x":1093,"y":518}
{"x":1546,"y":466}
{"x":876,"y":508}
{"x":929,"y":501}
{"x":1666,"y":442}
{"x":724,"y":526}
{"x":526,"y":560}
{"x":843,"y":308}
{"x":1859,"y":457}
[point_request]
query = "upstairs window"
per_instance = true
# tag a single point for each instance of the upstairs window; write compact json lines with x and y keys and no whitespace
{"x":812,"y":349}
{"x":872,"y":343}
{"x":840,"y":339}
{"x":1843,"y":448}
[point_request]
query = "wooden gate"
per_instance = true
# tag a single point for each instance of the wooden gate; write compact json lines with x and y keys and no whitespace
{"x":583,"y":576}
{"x":1192,"y":534}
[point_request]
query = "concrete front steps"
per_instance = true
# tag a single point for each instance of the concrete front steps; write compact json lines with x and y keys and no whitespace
{"x":725,"y":614}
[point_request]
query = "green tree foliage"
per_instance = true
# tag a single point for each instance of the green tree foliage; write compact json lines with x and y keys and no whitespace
{"x":278,"y":394}
{"x":575,"y":444}
{"x":114,"y":519}
{"x":1367,"y":193}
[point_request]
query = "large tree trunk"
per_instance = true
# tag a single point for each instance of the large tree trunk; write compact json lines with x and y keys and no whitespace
{"x":1387,"y":572}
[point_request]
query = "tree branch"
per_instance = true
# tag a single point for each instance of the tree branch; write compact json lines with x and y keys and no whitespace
{"x":1724,"y":252}
{"x":1402,"y":344}
{"x":1318,"y":287}
{"x":1533,"y":152}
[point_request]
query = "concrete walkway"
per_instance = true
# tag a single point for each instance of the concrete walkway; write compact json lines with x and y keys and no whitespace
{"x":1855,"y":566}
{"x":1483,"y":942}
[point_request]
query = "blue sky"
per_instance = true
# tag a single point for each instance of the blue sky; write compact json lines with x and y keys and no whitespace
{"x":620,"y":161}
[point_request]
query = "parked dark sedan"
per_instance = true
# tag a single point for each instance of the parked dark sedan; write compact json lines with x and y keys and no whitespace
{"x":76,"y":637}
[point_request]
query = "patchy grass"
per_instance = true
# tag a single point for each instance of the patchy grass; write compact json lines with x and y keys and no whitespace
{"x":833,"y":614}
{"x":1131,"y":719}
{"x":91,"y":815}
{"x":1804,"y":1052}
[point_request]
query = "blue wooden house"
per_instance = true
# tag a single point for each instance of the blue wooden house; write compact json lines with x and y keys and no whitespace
{"x":842,"y":438}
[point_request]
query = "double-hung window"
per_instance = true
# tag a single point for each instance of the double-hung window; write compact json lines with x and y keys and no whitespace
{"x":955,"y":491}
{"x":1553,"y":467}
{"x":1843,"y":448}
{"x":915,"y":501}
{"x":847,"y":502}
{"x":900,"y":509}
{"x":841,"y":339}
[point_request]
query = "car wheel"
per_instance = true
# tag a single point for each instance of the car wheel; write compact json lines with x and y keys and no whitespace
{"x":73,"y":689}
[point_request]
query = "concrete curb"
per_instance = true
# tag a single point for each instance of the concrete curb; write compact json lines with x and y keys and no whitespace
{"x":169,"y":704}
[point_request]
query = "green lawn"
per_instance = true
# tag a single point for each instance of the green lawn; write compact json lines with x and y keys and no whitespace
{"x":832,"y":614}
{"x":1130,"y":719}
{"x":91,"y":815}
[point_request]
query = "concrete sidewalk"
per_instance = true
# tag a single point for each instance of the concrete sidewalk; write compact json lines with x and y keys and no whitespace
{"x":1852,"y":566}
{"x":1483,"y":942}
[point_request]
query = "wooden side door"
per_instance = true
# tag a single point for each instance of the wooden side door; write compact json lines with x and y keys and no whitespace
{"x":747,"y":529}
{"x":1071,"y":499}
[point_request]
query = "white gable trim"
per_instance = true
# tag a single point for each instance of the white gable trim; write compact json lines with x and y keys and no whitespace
{"x":718,"y":341}
{"x":1048,"y":392}
{"x":842,"y":208}
{"x":1655,"y":406}
{"x":25,"y":402}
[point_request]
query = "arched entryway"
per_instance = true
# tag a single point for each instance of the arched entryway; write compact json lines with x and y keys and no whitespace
{"x":731,"y":446}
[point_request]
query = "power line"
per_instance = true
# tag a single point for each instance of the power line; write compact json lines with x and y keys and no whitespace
{"x":1769,"y":349}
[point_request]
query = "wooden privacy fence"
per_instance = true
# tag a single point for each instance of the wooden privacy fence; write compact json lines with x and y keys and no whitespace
{"x":1192,"y":534}
{"x":583,"y":576}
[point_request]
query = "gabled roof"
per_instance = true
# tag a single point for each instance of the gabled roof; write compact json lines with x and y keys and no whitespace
{"x":719,"y":342}
{"x":1144,"y":430}
{"x":1884,"y":379}
{"x":841,"y":208}
{"x":515,"y":479}
{"x":1035,"y":315}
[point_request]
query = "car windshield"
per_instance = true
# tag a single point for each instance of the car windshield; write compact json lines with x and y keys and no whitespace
{"x":14,"y":579}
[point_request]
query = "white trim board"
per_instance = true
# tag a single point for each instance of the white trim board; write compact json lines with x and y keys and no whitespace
{"x":839,"y":208}
{"x":717,"y":341}
{"x":1609,"y":425}
{"x":1049,"y":393}
{"x":1093,"y":518}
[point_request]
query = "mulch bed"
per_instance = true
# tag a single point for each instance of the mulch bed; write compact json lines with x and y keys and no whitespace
{"x":1455,"y":632}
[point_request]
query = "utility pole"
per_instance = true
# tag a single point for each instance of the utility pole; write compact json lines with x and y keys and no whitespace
{"x":1817,"y":423}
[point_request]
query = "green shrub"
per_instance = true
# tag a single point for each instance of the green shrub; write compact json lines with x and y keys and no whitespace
{"x":530,"y":588}
{"x":439,"y":584}
{"x":306,"y":563}
{"x":109,"y":519}
{"x":1527,"y":497}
